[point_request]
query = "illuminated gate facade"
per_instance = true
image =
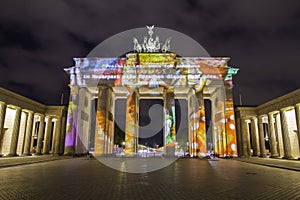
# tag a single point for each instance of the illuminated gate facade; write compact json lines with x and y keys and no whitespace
{"x":151,"y":72}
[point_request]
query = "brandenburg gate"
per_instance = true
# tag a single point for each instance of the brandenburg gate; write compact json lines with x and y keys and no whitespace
{"x":151,"y":71}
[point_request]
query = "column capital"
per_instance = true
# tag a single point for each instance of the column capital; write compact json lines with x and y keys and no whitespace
{"x":2,"y":103}
{"x":286,"y":108}
{"x":56,"y":118}
{"x":260,"y":117}
{"x":13,"y":107}
{"x":273,"y":112}
{"x":171,"y":88}
{"x":49,"y":117}
{"x":27,"y":111}
{"x":39,"y":114}
{"x":102,"y":86}
{"x":246,"y":119}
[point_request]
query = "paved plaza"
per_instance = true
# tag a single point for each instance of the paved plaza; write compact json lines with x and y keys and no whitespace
{"x":187,"y":178}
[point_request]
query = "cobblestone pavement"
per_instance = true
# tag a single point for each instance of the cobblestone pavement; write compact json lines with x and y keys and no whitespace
{"x":85,"y":178}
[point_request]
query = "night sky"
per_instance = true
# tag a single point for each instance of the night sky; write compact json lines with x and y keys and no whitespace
{"x":38,"y":39}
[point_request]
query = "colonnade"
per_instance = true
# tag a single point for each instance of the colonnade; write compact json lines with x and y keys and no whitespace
{"x":104,"y":134}
{"x":275,"y":134}
{"x":26,"y":132}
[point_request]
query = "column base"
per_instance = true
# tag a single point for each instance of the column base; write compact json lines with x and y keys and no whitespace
{"x":263,"y":156}
{"x":68,"y":154}
{"x":274,"y":156}
{"x":12,"y":155}
{"x":26,"y":154}
{"x":245,"y":156}
{"x":38,"y":154}
{"x":288,"y":157}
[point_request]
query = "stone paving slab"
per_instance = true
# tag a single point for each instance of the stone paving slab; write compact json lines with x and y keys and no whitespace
{"x":25,"y":160}
{"x":188,"y":178}
{"x":273,"y":162}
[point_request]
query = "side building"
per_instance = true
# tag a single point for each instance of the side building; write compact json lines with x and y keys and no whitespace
{"x":271,"y":129}
{"x":28,"y":127}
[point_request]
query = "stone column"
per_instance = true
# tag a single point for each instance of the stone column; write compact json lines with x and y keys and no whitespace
{"x":278,"y":134}
{"x":101,"y":120}
{"x":261,"y":137}
{"x":2,"y":119}
{"x":62,"y":135}
{"x":46,"y":147}
{"x":254,"y":136}
{"x":15,"y":133}
{"x":28,"y":134}
{"x":297,"y":110}
{"x":285,"y":135}
{"x":272,"y":137}
{"x":170,"y":126}
{"x":40,"y":135}
{"x":201,"y":131}
{"x":57,"y":129}
{"x":230,"y":125}
{"x":34,"y":125}
{"x":245,"y":139}
{"x":131,"y":125}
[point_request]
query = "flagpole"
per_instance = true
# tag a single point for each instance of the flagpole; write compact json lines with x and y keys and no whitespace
{"x":241,"y":103}
{"x":62,"y":99}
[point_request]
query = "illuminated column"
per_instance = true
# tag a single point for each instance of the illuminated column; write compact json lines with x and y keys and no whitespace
{"x":297,"y":110}
{"x":230,"y":129}
{"x":272,"y":137}
{"x":33,"y":133}
{"x":170,"y":122}
{"x":285,"y":134}
{"x":101,"y":120}
{"x":28,"y":134}
{"x":57,"y":132}
{"x":278,"y":133}
{"x":131,"y":122}
{"x":201,"y":131}
{"x":46,"y":147}
{"x":70,"y":136}
{"x":15,"y":133}
{"x":245,"y":139}
{"x":40,"y":135}
{"x":254,"y":136}
{"x":2,"y":119}
{"x":261,"y":137}
{"x":62,"y":135}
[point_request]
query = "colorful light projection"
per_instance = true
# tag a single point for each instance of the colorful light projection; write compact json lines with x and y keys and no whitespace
{"x":71,"y":118}
{"x":130,"y":127}
{"x":155,"y":70}
{"x":225,"y":137}
{"x":198,"y":127}
{"x":170,"y":130}
{"x":101,"y":132}
{"x":231,"y":146}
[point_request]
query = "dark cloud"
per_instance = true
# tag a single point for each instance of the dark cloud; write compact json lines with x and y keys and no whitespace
{"x":39,"y":38}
